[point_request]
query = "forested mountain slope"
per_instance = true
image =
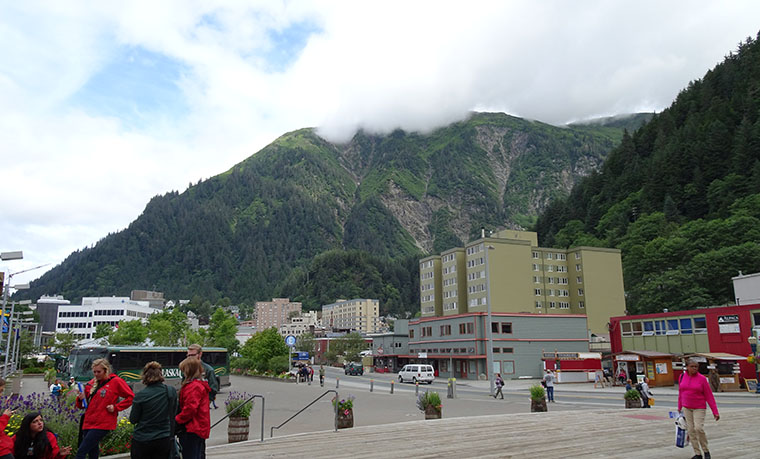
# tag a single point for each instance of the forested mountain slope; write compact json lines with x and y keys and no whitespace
{"x":680,"y":196}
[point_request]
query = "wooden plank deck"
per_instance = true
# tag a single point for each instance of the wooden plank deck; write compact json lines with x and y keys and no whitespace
{"x":589,"y":434}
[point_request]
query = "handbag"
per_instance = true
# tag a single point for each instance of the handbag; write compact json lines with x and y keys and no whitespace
{"x":650,"y":401}
{"x":682,"y":436}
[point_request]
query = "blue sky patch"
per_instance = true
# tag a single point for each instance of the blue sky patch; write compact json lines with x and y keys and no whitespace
{"x":287,"y":44}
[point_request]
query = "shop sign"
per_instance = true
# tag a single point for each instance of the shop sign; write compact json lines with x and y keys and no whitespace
{"x":729,"y":323}
{"x":727,"y":380}
{"x":422,"y":355}
{"x":627,"y":357}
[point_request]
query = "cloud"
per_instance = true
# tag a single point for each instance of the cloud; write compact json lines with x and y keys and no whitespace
{"x":108,"y":104}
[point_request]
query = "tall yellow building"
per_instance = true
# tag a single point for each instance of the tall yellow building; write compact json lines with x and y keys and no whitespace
{"x":523,"y":277}
{"x":360,"y":315}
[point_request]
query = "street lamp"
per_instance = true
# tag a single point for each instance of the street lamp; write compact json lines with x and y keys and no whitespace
{"x":489,"y":332}
{"x":753,"y":345}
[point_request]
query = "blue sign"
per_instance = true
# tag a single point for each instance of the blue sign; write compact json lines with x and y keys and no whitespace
{"x":290,"y":340}
{"x":301,"y":356}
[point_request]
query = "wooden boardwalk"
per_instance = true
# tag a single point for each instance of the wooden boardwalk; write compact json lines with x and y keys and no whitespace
{"x":560,"y":434}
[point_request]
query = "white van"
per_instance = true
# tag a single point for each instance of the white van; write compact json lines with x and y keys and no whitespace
{"x":415,"y":372}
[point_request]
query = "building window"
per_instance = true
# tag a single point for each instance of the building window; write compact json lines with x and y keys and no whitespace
{"x":551,"y":280}
{"x":538,"y":304}
{"x":637,"y":328}
{"x":494,"y":327}
{"x":686,"y":326}
{"x":535,"y":255}
{"x":700,"y":325}
{"x":581,"y":304}
{"x":506,"y":327}
{"x":507,"y":350}
{"x":536,"y":280}
{"x":445,"y":330}
{"x":535,"y":267}
{"x":508,"y":367}
{"x":549,"y":268}
{"x":552,"y":305}
{"x":549,"y":256}
{"x":564,"y":305}
{"x":411,"y":333}
{"x":538,"y":291}
{"x":625,"y":328}
{"x":580,"y":292}
{"x":577,"y":255}
{"x":578,"y":267}
{"x":579,"y":279}
{"x":496,"y":350}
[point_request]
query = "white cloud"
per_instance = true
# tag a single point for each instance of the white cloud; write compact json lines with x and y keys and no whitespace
{"x":73,"y":173}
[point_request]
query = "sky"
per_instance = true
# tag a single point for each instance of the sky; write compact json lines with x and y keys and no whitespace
{"x":104,"y":105}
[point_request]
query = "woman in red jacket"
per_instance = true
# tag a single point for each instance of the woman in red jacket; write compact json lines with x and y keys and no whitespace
{"x":194,"y":421}
{"x":33,"y":439}
{"x":101,"y":400}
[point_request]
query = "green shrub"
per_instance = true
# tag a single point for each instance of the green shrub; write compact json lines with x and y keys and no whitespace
{"x":118,"y":441}
{"x":236,"y":399}
{"x":632,"y":394}
{"x":278,"y":364}
{"x":429,"y":399}
{"x":34,"y":371}
{"x":537,"y":392}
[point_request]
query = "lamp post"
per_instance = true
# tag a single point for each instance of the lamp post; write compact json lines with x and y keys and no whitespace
{"x":753,"y":345}
{"x":489,"y":332}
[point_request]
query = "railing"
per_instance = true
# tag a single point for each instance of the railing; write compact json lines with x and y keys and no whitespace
{"x":243,"y":404}
{"x":335,"y":408}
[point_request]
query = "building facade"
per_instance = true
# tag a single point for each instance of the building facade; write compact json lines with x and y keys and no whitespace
{"x":747,"y":288}
{"x":47,"y":308}
{"x":697,"y":331}
{"x":83,"y":319}
{"x":390,"y":350}
{"x":154,"y":299}
{"x":307,"y":322}
{"x":357,"y":315}
{"x":519,"y":277}
{"x":456,"y":345}
{"x":275,"y":313}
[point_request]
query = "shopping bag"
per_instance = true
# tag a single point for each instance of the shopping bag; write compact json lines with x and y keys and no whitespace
{"x":651,"y":401}
{"x":682,"y":436}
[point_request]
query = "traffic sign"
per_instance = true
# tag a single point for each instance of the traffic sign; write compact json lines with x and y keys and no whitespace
{"x":290,"y":340}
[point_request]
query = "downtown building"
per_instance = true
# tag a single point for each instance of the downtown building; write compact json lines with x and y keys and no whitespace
{"x":357,"y":315}
{"x":83,"y":319}
{"x":542,"y":299}
{"x":275,"y":313}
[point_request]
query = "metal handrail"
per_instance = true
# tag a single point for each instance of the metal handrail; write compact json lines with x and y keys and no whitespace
{"x":335,"y":406}
{"x":263,"y":405}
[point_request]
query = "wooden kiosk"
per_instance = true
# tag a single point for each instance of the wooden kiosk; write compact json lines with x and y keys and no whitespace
{"x":657,"y":366}
{"x":727,"y":366}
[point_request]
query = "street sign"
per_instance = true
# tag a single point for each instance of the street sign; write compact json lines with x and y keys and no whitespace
{"x":302,"y":356}
{"x":290,"y":340}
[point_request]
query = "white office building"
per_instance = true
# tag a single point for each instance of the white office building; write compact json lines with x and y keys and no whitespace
{"x":83,"y":319}
{"x":298,"y":325}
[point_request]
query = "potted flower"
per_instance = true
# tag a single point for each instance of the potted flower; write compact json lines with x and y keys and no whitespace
{"x":239,"y":409}
{"x":632,"y":399}
{"x":430,"y":403}
{"x":345,"y":409}
{"x":537,"y":399}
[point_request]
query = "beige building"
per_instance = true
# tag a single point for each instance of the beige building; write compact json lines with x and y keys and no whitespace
{"x":360,"y":315}
{"x":523,"y":277}
{"x":305,"y":323}
{"x":274,"y":313}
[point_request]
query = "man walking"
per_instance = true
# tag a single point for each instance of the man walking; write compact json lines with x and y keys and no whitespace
{"x":499,"y":384}
{"x":549,"y":380}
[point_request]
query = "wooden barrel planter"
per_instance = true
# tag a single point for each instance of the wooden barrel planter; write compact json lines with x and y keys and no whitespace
{"x":432,"y":413}
{"x":537,"y":406}
{"x":345,"y":420}
{"x":632,"y":403}
{"x":237,"y":430}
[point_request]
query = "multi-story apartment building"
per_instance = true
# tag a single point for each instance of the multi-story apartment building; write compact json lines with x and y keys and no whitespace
{"x":83,"y":319}
{"x":298,"y":325}
{"x":519,"y":277}
{"x":360,"y":315}
{"x":275,"y":313}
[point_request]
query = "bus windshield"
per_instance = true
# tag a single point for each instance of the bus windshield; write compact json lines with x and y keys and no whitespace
{"x":80,"y":362}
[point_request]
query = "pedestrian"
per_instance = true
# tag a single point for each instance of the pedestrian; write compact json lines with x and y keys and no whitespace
{"x":193,"y":421}
{"x":549,"y":380}
{"x":622,"y":376}
{"x":646,"y":394}
{"x":195,"y":350}
{"x":33,"y":439}
{"x":499,"y":384}
{"x":100,"y":400}
{"x":322,"y":375}
{"x":311,"y":374}
{"x":628,"y":385}
{"x":693,"y":395}
{"x":153,"y":411}
{"x":6,"y":442}
{"x":714,"y":380}
{"x":55,"y":389}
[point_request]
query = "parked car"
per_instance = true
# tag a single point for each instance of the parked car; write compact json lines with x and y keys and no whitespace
{"x":417,"y":373}
{"x":354,"y":368}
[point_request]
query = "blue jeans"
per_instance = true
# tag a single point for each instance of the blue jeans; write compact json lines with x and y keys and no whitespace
{"x":550,"y":393}
{"x":90,"y":446}
{"x":192,"y":445}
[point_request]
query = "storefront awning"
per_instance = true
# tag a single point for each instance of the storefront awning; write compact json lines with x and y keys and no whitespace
{"x":716,"y":356}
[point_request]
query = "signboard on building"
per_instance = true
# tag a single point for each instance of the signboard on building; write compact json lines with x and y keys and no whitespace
{"x":729,"y":323}
{"x":302,"y":356}
{"x":422,"y":355}
{"x":627,"y":357}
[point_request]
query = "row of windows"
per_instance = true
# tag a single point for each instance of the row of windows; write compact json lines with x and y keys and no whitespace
{"x":465,"y":328}
{"x":427,"y":275}
{"x":69,"y":325}
{"x":476,"y":288}
{"x":448,"y":258}
{"x":450,"y":306}
{"x":75,"y":314}
{"x":109,"y":312}
{"x":109,"y":322}
{"x":552,"y":256}
{"x":551,"y":280}
{"x":450,"y":269}
{"x":553,"y":268}
{"x":427,"y":310}
{"x":450,"y":294}
{"x":559,"y":292}
{"x":474,"y":249}
{"x":686,"y":326}
{"x":561,"y":304}
{"x":426,"y":298}
{"x":427,"y":264}
{"x":475,"y":262}
{"x":478,"y":301}
{"x":424,"y":287}
{"x":476,"y":275}
{"x":447,"y":282}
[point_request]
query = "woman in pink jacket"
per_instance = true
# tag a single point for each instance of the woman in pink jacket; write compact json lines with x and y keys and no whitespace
{"x":693,"y":395}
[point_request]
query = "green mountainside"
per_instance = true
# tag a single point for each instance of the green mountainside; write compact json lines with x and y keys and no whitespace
{"x":315,"y":221}
{"x":681,"y":196}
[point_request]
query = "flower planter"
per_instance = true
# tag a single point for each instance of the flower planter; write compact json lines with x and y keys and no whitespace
{"x":237,"y":429}
{"x":632,"y":403}
{"x":432,"y":413}
{"x":345,"y":419}
{"x":538,"y":406}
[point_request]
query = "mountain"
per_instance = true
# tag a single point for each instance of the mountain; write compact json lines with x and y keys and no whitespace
{"x":372,"y":206}
{"x":680,"y":196}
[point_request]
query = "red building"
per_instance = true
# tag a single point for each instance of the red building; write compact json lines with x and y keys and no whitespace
{"x":708,"y":330}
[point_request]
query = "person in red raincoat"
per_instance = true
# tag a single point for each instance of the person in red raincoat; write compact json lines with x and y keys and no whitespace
{"x":105,"y":395}
{"x":193,"y":421}
{"x":33,"y":439}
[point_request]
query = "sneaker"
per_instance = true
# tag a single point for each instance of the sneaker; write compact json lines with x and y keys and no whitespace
{"x":697,"y":456}
{"x":707,"y":454}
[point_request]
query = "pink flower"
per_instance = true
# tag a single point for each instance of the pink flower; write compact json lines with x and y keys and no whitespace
{"x":346,"y":412}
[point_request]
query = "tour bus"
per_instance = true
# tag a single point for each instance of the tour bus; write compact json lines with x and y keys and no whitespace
{"x":128,"y":362}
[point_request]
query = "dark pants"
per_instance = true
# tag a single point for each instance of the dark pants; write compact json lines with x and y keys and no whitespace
{"x":498,"y":392}
{"x":644,"y":400}
{"x":192,"y":445}
{"x":153,"y":449}
{"x":550,"y":393}
{"x":90,"y":445}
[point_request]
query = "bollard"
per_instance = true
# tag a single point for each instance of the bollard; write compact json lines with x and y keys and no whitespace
{"x":449,"y":391}
{"x":417,"y":388}
{"x":392,"y":382}
{"x":337,"y":382}
{"x":371,"y":385}
{"x":454,"y":387}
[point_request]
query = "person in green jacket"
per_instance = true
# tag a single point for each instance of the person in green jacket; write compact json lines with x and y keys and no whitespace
{"x":153,"y":409}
